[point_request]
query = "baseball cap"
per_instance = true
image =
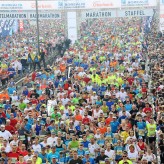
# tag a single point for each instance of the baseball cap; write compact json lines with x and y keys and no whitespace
{"x":43,"y":148}
{"x":53,"y":146}
{"x":43,"y":105}
{"x":54,"y":157}
{"x":36,"y":152}
{"x":102,"y":150}
{"x":53,"y":132}
{"x":140,"y":137}
{"x":87,"y":152}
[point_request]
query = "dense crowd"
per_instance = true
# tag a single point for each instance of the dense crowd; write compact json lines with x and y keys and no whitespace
{"x":18,"y":52}
{"x":99,"y":103}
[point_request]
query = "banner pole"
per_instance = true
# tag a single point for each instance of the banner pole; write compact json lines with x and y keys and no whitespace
{"x":37,"y":23}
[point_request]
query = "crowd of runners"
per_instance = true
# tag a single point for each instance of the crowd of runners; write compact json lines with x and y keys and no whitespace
{"x":102,"y":102}
{"x":18,"y":52}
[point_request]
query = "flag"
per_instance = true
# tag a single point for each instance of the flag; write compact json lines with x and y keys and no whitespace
{"x":11,"y":32}
{"x":15,"y":26}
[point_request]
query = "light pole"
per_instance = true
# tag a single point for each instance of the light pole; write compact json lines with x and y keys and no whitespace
{"x":37,"y":24}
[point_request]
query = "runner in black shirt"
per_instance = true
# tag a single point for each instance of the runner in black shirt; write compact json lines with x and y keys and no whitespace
{"x":75,"y":159}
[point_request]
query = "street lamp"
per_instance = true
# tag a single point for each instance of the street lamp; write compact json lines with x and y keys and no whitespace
{"x":37,"y":23}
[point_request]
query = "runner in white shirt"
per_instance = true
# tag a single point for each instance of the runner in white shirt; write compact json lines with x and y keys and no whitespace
{"x":52,"y":140}
{"x":36,"y":146}
{"x":93,"y":147}
{"x":122,"y":95}
{"x":97,"y":112}
{"x":65,"y":100}
{"x":98,"y":134}
{"x":5,"y":133}
{"x":94,"y":98}
{"x":133,"y":154}
{"x":149,"y":156}
{"x":29,"y":155}
{"x":110,"y":153}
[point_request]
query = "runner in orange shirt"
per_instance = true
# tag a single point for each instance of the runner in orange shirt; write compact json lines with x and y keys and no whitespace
{"x":5,"y":95}
{"x":78,"y":116}
{"x":102,"y":128}
{"x":62,"y":67}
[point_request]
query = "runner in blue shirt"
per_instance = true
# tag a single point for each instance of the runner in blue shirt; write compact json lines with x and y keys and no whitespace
{"x":114,"y":125}
{"x":88,"y":158}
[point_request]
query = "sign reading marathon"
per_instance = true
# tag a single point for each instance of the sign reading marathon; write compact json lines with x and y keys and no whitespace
{"x":29,"y":15}
{"x":99,"y":14}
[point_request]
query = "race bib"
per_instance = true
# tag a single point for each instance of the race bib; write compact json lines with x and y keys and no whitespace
{"x":44,"y":115}
{"x":13,"y":160}
{"x":133,"y":159}
{"x":119,"y":152}
{"x":41,"y":137}
{"x":141,"y":132}
{"x":22,"y":137}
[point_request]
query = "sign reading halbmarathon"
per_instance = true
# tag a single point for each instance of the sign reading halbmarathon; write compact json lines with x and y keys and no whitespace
{"x":117,"y":13}
{"x":29,"y":15}
{"x":99,"y":14}
{"x":45,"y":16}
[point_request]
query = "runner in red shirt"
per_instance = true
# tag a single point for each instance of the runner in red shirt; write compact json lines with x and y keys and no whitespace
{"x":13,"y":121}
{"x":23,"y":150}
{"x":130,"y":79}
{"x":9,"y":127}
{"x":86,"y":79}
{"x":13,"y":154}
{"x":85,"y":119}
{"x":147,"y":108}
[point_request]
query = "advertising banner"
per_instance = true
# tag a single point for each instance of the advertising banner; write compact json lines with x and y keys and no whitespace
{"x":137,"y":3}
{"x":71,"y":4}
{"x":60,"y":4}
{"x":99,"y":4}
{"x":27,"y":5}
{"x":29,"y":15}
{"x":72,"y":26}
{"x":75,"y":4}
